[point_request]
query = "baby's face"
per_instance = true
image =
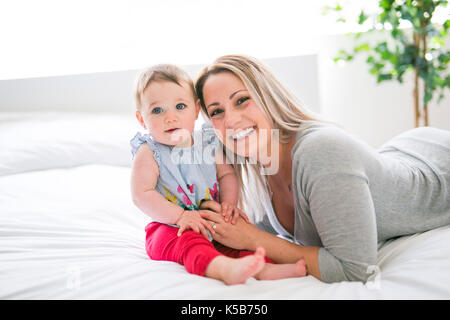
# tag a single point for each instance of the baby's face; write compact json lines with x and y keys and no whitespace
{"x":169,"y":112}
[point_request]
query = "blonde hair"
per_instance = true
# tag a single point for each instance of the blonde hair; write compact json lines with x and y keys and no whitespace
{"x":160,"y":72}
{"x":285,"y":112}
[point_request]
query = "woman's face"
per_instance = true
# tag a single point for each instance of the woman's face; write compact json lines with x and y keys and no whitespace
{"x":239,"y":122}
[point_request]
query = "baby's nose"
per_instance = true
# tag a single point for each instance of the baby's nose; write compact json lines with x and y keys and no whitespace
{"x":171,"y":118}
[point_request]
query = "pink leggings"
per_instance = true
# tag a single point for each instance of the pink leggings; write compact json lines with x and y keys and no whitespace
{"x":190,"y":249}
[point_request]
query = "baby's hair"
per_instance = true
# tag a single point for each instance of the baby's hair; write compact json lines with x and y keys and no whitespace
{"x":160,"y":72}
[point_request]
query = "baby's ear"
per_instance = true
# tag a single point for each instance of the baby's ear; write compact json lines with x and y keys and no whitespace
{"x":140,"y":119}
{"x":198,"y":107}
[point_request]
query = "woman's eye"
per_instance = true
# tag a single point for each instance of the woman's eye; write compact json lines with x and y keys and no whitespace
{"x":242,"y":100}
{"x":157,"y":110}
{"x":215,"y":112}
{"x":180,"y":106}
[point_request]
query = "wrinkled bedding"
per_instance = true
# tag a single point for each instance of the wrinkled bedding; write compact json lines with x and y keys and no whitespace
{"x":68,"y":228}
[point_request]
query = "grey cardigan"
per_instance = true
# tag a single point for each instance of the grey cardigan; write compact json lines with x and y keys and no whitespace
{"x":349,"y":197}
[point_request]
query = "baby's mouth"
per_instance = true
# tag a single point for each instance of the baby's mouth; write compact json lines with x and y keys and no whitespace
{"x":172,"y":130}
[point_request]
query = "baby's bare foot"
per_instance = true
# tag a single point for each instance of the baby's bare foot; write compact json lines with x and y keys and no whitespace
{"x":282,"y":271}
{"x":301,"y":268}
{"x":237,"y":271}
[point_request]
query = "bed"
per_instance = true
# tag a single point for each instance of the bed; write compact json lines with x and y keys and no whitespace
{"x":69,"y":230}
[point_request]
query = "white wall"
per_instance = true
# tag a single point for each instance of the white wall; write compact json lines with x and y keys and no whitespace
{"x":112,"y":91}
{"x":375,"y":112}
{"x":347,"y":95}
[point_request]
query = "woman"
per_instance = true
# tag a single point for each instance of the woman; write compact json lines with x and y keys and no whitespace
{"x":333,"y":196}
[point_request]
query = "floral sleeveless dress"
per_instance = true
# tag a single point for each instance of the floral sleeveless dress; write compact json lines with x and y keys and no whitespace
{"x":187,"y":176}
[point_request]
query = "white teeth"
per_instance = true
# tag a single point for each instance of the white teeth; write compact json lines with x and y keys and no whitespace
{"x":242,"y":134}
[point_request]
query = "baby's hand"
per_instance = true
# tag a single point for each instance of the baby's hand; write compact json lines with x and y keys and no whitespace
{"x":193,"y":220}
{"x":229,"y":209}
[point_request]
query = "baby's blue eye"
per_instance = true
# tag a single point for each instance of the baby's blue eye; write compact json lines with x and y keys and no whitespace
{"x":181,"y":106}
{"x":157,"y":110}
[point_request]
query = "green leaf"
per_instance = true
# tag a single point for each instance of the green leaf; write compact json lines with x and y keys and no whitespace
{"x":438,"y":81}
{"x":437,"y":41}
{"x":444,"y":57}
{"x":383,"y":51}
{"x":386,"y":4}
{"x":376,"y":68}
{"x":343,"y":55}
{"x":447,"y":24}
{"x":393,"y":59}
{"x":416,"y":22}
{"x":401,"y":56}
{"x":402,"y":68}
{"x":362,"y":17}
{"x":358,"y":35}
{"x":379,"y":66}
{"x":362,"y":47}
{"x":396,"y":33}
{"x":428,"y":96}
{"x":327,"y":9}
{"x":383,"y":77}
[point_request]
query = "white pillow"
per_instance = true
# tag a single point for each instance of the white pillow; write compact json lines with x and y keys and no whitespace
{"x":31,"y":141}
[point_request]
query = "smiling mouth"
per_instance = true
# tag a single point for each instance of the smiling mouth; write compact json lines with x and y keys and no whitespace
{"x":171,"y":130}
{"x":241,"y":134}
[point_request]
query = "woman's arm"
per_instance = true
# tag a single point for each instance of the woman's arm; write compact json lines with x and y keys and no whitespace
{"x":144,"y":176}
{"x":336,"y":208}
{"x":246,"y":236}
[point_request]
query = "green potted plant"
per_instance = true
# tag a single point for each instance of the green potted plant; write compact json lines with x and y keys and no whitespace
{"x":419,"y":47}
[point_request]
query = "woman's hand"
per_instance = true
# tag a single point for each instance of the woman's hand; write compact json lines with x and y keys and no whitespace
{"x":226,"y":210}
{"x":240,"y":236}
{"x":194,"y":220}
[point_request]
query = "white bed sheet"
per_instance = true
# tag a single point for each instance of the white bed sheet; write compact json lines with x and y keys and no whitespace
{"x":72,"y":232}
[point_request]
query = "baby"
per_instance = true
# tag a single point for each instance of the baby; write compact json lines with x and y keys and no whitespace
{"x":175,"y":172}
